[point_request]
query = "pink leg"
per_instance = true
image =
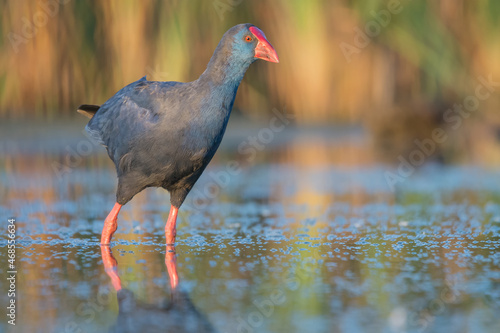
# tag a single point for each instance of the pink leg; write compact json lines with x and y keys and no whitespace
{"x":110,"y":267}
{"x":170,"y":226}
{"x":110,"y":225}
{"x":171,"y":262}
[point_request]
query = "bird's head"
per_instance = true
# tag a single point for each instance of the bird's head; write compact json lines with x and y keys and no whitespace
{"x":250,"y":43}
{"x":239,"y":47}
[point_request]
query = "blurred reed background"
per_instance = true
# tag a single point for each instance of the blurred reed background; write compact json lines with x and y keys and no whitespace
{"x":399,"y":84}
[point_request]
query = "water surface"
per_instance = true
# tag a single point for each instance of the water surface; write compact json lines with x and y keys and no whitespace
{"x":305,"y":236}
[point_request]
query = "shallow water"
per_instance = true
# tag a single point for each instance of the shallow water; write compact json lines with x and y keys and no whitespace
{"x":306,"y":236}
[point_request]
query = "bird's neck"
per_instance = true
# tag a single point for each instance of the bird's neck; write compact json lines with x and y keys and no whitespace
{"x":225,"y":71}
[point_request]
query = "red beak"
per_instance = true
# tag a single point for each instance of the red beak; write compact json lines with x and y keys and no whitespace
{"x":264,"y":50}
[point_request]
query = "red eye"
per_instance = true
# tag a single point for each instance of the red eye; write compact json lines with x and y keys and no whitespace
{"x":248,"y":38}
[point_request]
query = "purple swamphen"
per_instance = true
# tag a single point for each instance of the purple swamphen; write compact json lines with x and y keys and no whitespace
{"x":163,"y":134}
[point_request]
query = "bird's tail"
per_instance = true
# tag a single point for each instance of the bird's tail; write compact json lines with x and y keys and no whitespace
{"x":88,"y":110}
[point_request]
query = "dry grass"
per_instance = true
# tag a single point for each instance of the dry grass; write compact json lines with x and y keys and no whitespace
{"x":429,"y":54}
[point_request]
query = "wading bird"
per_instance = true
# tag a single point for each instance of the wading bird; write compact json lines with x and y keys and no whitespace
{"x":163,"y":134}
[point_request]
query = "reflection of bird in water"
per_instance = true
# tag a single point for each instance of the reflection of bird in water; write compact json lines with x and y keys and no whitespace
{"x":178,"y":315}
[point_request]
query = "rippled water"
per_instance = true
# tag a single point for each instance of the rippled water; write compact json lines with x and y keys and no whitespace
{"x":307,"y":236}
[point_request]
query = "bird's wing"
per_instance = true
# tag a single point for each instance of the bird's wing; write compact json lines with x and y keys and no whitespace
{"x":125,"y":116}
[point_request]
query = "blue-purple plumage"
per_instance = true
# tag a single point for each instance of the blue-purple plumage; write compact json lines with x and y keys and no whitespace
{"x":163,"y":134}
